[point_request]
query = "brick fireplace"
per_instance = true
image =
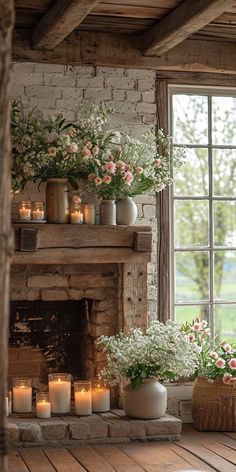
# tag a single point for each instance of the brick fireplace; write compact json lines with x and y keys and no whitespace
{"x":59,"y":310}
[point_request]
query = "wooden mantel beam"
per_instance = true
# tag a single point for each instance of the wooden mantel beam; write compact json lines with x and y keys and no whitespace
{"x":181,"y":23}
{"x":113,"y":50}
{"x":62,"y":18}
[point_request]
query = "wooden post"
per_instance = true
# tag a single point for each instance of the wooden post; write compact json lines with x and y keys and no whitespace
{"x":163,"y":212}
{"x":6,"y":25}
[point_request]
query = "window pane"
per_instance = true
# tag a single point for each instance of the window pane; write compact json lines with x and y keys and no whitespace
{"x":190,"y":313}
{"x":224,"y":223}
{"x":223,"y":120}
{"x":224,"y":172}
{"x":225,"y":275}
{"x":192,"y":178}
{"x":225,"y":319}
{"x":191,"y":223}
{"x":190,"y":124}
{"x":192,"y":276}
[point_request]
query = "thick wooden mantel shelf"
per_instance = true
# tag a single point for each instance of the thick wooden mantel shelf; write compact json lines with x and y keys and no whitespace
{"x":75,"y":244}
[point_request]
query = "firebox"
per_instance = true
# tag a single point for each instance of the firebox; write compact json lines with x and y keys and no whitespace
{"x":53,"y":335}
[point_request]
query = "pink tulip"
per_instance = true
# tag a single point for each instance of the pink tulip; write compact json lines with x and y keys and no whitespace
{"x":232,"y":364}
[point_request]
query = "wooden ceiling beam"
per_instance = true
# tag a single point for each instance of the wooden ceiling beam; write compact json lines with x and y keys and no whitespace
{"x":115,"y":50}
{"x":59,"y":21}
{"x":181,"y":23}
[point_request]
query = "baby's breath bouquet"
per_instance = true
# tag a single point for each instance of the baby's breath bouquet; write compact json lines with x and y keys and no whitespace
{"x":163,"y":352}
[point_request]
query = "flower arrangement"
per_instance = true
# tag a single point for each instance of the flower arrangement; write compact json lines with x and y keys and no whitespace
{"x":113,"y":165}
{"x":53,"y":147}
{"x":217,"y":359}
{"x":133,"y":166}
{"x":163,"y":351}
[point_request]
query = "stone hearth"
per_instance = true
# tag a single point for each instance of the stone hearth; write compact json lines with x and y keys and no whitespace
{"x":103,"y":428}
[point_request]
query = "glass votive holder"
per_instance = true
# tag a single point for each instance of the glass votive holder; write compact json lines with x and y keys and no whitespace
{"x":100,"y":396}
{"x":60,"y":392}
{"x":43,"y":405}
{"x":38,"y":212}
{"x":89,"y":214}
{"x":76,"y":213}
{"x":25,"y":210}
{"x":83,"y":397}
{"x":22,"y":395}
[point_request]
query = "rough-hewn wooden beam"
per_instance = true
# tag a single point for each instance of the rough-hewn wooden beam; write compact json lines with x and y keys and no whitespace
{"x":62,"y":18}
{"x":6,"y":25}
{"x":121,"y":51}
{"x":181,"y":23}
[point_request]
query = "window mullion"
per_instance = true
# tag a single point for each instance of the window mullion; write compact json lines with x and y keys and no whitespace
{"x":211,"y":222}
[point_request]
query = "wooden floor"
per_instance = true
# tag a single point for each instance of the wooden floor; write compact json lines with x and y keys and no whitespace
{"x":201,"y":451}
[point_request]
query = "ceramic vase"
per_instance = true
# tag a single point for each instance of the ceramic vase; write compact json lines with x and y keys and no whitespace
{"x":57,"y":200}
{"x":147,"y":401}
{"x":108,"y":212}
{"x":126,"y":211}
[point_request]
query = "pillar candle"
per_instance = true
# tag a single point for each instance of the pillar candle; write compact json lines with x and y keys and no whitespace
{"x":43,"y":409}
{"x":22,"y":399}
{"x":83,"y":402}
{"x":38,"y":214}
{"x":25,"y":213}
{"x":60,"y":393}
{"x":100,"y":399}
{"x":76,"y":217}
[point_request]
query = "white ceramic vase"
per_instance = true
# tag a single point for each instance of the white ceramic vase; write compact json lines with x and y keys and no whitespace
{"x":147,"y":401}
{"x":126,"y":211}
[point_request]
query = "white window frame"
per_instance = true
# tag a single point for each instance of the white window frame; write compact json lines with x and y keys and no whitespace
{"x":209,"y":91}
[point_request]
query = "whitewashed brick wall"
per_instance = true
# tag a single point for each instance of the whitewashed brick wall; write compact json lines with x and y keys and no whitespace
{"x":55,"y":88}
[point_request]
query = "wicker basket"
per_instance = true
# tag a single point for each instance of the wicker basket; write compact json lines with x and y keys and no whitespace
{"x":214,"y":405}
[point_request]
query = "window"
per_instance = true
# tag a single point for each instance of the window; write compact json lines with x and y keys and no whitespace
{"x":203,"y":234}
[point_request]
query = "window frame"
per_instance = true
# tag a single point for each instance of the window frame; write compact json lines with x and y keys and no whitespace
{"x":212,"y":302}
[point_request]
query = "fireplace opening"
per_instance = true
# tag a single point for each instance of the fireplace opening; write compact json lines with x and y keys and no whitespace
{"x":51,"y":336}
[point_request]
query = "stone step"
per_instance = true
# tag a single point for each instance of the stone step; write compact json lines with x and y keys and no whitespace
{"x":104,"y":428}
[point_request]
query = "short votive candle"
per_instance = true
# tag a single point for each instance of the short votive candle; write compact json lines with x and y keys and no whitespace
{"x":83,"y":398}
{"x":100,"y":396}
{"x":22,"y":395}
{"x":89,"y":214}
{"x":76,"y":217}
{"x":60,"y":392}
{"x":38,"y":211}
{"x":25,"y":210}
{"x":43,"y":405}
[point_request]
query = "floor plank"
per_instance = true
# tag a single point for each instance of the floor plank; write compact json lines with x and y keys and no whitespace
{"x":231,"y":435}
{"x":36,"y":460}
{"x":212,"y":459}
{"x":193,"y":460}
{"x":15,"y":463}
{"x":90,"y":459}
{"x":118,"y":459}
{"x":207,"y":451}
{"x":156,"y":457}
{"x":63,"y":461}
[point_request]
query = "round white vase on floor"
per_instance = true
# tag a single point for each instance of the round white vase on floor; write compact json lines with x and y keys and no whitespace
{"x":147,"y":401}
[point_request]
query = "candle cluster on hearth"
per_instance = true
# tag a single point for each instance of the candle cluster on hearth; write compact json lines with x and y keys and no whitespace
{"x":89,"y":396}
